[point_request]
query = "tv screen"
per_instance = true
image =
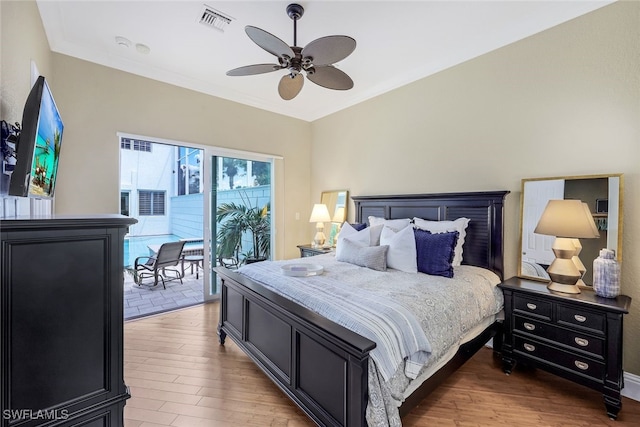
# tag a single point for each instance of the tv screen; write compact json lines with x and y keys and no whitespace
{"x":38,"y":147}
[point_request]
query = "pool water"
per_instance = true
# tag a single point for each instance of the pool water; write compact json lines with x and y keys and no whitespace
{"x":136,"y":246}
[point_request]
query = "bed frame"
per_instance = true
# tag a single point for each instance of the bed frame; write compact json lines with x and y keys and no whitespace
{"x":323,"y":366}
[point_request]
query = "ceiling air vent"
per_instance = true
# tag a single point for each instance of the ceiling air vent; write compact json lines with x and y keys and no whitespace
{"x":214,"y":19}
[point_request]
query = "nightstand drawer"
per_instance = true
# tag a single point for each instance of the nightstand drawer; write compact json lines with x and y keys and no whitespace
{"x":534,"y":306}
{"x":563,"y":359}
{"x":586,"y":319}
{"x":534,"y":327}
{"x":573,"y":339}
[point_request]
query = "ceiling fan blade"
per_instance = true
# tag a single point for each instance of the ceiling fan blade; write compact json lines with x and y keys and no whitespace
{"x":331,"y":78}
{"x":269,"y":42}
{"x":249,"y":70}
{"x":329,"y":50}
{"x":289,"y":86}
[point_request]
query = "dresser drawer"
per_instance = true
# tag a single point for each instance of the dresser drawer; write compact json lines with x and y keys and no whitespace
{"x":564,"y":359}
{"x":571,"y":338}
{"x":534,"y":306}
{"x":576,"y":316}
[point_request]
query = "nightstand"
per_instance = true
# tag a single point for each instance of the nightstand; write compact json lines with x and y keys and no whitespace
{"x":308,"y":250}
{"x":575,"y":336}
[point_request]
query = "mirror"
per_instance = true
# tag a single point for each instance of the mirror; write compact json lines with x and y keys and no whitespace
{"x":603,"y":195}
{"x":336,"y":202}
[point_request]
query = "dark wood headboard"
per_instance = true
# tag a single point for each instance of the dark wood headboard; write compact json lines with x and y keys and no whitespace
{"x":483,"y":246}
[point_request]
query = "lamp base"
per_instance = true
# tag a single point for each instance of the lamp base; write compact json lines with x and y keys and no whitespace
{"x":564,"y":288}
{"x":319,"y":240}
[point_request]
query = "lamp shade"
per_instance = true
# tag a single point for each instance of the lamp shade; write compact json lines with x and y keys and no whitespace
{"x":594,"y":228}
{"x":566,"y":218}
{"x":320,"y":213}
{"x":338,"y":216}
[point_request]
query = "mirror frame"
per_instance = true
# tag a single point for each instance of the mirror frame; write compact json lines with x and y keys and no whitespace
{"x":332,"y":199}
{"x":588,"y":262}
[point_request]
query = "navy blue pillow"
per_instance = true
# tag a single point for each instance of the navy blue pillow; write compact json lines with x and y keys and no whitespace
{"x":435,"y":252}
{"x":359,"y":225}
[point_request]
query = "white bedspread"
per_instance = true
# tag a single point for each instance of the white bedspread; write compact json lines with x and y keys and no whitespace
{"x":433,"y":314}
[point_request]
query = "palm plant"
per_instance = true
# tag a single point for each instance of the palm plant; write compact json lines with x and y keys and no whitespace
{"x":235,"y":220}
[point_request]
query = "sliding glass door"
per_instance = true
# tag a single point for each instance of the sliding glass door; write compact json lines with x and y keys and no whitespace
{"x":240,"y":223}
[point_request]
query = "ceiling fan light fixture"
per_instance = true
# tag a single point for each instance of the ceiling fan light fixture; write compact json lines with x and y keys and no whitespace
{"x":325,"y":51}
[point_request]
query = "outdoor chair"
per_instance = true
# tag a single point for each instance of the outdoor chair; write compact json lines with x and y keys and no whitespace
{"x":165,"y":265}
{"x":228,"y":262}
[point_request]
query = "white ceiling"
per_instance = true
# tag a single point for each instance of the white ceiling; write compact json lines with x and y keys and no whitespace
{"x":397,"y":41}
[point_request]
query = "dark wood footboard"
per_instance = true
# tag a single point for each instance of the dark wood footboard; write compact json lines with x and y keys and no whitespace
{"x":320,"y":365}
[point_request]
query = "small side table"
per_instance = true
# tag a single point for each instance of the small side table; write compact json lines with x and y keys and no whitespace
{"x":194,"y":260}
{"x":575,"y":336}
{"x":308,"y":250}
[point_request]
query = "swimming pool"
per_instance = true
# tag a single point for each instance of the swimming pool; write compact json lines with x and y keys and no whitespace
{"x":136,"y":246}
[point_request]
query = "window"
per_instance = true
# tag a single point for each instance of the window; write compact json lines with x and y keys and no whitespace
{"x":188,"y":171}
{"x":151,"y":203}
{"x":135,"y":145}
{"x":124,"y":203}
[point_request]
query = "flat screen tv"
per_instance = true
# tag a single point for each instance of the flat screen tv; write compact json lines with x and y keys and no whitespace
{"x":38,"y":147}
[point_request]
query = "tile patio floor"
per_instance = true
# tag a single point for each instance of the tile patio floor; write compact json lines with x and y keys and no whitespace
{"x":144,"y":300}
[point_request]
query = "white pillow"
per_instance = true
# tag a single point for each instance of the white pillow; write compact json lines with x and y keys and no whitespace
{"x":436,"y":227}
{"x":347,"y":231}
{"x":402,"y":249}
{"x":395,"y":224}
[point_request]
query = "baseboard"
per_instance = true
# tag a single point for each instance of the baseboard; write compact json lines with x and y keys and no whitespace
{"x":631,"y":386}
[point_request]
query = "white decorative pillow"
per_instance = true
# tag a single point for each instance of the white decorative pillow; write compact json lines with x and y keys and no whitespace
{"x":373,"y":257}
{"x":347,"y":231}
{"x":369,"y":236}
{"x":374,"y":234}
{"x":402,"y":249}
{"x":435,"y":227}
{"x":395,"y":224}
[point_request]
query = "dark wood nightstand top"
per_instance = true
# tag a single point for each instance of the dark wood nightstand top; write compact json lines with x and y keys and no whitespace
{"x":620,"y":303}
{"x":309,"y":250}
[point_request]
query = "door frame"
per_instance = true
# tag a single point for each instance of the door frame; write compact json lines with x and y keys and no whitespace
{"x":207,"y":178}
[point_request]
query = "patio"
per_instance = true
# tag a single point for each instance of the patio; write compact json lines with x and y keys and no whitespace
{"x":143,"y":300}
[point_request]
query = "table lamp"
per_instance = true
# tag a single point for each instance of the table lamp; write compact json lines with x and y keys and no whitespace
{"x":576,"y":259}
{"x":338,"y":219}
{"x":319,"y":215}
{"x":567,"y":220}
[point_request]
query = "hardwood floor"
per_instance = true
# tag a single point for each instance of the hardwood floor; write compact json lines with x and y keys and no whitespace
{"x":180,"y":376}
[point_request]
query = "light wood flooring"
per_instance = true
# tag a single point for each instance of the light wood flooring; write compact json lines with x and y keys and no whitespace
{"x":180,"y":376}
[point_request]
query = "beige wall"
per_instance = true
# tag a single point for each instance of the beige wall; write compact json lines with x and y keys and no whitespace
{"x":96,"y":102}
{"x":562,"y":102}
{"x":23,"y":41}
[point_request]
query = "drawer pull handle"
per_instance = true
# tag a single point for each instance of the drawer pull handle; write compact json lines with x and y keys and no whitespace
{"x":530,"y":327}
{"x":581,"y":341}
{"x":530,"y":347}
{"x":580,"y":318}
{"x":582,"y":365}
{"x":531,"y":306}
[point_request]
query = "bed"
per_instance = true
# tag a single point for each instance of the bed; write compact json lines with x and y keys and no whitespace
{"x":326,"y":368}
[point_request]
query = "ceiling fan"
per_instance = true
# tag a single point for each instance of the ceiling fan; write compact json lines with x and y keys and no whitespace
{"x":315,"y":59}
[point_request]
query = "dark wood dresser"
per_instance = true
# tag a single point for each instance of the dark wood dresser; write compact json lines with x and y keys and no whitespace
{"x":61,"y":329}
{"x":578,"y":337}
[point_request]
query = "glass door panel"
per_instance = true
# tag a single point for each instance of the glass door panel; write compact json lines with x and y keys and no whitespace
{"x":240,"y":201}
